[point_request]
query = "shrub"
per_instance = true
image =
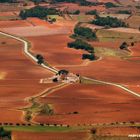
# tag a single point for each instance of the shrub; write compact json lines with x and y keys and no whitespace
{"x":124,"y":45}
{"x":88,"y":56}
{"x":92,"y":12}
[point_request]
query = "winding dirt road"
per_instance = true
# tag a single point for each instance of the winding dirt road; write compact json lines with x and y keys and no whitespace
{"x":29,"y":54}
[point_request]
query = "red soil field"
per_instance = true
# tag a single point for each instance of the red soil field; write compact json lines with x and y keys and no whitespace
{"x":83,"y":9}
{"x":7,"y":14}
{"x":48,"y":46}
{"x":10,"y":116}
{"x":118,"y":131}
{"x":20,"y":80}
{"x":35,"y":31}
{"x":50,"y":136}
{"x":15,"y":23}
{"x":38,"y":22}
{"x":94,"y":104}
{"x":127,"y":71}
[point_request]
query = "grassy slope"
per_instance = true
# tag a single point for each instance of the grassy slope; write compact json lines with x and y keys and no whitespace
{"x":40,"y":128}
{"x":107,"y":35}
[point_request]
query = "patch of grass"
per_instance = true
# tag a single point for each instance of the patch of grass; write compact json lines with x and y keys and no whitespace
{"x":9,"y":17}
{"x":111,"y":52}
{"x":40,"y":128}
{"x":107,"y":35}
{"x":87,"y":81}
{"x":112,"y":138}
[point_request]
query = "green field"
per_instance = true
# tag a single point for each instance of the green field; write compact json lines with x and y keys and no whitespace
{"x":105,"y":35}
{"x":38,"y":128}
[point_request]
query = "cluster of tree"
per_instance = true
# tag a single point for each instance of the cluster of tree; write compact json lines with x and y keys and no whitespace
{"x":85,"y":33}
{"x":89,"y":56}
{"x":109,"y":21}
{"x":38,"y":11}
{"x":80,"y":44}
{"x":5,"y":134}
{"x":92,"y":12}
{"x":124,"y":12}
{"x":40,"y":59}
{"x":88,"y":3}
{"x":110,"y":5}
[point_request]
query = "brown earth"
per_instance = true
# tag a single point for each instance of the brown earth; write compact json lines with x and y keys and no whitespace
{"x":83,"y":9}
{"x":20,"y":79}
{"x":50,"y":136}
{"x":15,"y":23}
{"x":118,"y":131}
{"x":93,"y":104}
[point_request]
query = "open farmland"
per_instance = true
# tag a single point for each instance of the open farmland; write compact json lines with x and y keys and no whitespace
{"x":17,"y":78}
{"x":50,"y":90}
{"x":134,"y":21}
{"x":83,"y":9}
{"x":107,"y":104}
{"x":50,"y":135}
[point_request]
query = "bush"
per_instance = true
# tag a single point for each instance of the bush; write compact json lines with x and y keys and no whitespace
{"x":124,"y":45}
{"x":88,"y":56}
{"x":4,"y":133}
{"x":92,"y":12}
{"x":77,"y":12}
{"x":93,"y":130}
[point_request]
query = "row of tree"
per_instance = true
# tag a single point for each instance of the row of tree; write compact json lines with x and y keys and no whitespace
{"x":38,"y":11}
{"x":92,"y":12}
{"x":84,"y":33}
{"x":80,"y":44}
{"x":109,"y":21}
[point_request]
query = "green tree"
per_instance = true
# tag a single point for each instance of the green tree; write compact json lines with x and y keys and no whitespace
{"x":85,"y":32}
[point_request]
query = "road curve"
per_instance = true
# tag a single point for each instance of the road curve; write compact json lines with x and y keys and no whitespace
{"x":26,"y":51}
